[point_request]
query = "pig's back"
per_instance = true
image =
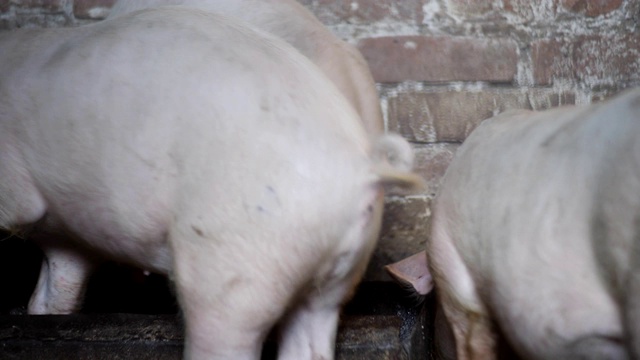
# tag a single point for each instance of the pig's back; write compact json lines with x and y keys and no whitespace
{"x":544,"y":168}
{"x":341,"y":62}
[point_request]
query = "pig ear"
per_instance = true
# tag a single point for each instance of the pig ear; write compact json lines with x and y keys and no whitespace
{"x":413,"y":272}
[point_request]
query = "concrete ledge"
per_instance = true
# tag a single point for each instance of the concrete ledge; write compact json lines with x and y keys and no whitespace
{"x":132,"y":336}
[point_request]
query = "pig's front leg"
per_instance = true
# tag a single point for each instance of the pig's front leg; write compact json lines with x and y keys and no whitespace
{"x":62,"y":282}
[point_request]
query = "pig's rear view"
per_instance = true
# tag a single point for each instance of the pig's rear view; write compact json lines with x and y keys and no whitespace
{"x":536,"y":230}
{"x":238,"y":170}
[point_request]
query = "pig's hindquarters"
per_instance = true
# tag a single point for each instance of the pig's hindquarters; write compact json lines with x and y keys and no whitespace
{"x":271,"y":230}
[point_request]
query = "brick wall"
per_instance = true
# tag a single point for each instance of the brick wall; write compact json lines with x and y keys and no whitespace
{"x":442,"y":66}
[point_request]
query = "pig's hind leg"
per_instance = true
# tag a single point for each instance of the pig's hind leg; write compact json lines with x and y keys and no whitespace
{"x":473,"y":331}
{"x":309,"y":329}
{"x":472,"y":328}
{"x":229,"y":293}
{"x":235,"y":282}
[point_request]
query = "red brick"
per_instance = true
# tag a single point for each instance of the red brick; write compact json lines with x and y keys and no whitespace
{"x":365,"y":12}
{"x":550,"y":58}
{"x":451,"y":115}
{"x":440,"y":58}
{"x":591,"y":8}
{"x":589,"y":59}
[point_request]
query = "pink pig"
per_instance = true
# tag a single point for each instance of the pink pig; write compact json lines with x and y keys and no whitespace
{"x":536,"y":232}
{"x":240,"y":171}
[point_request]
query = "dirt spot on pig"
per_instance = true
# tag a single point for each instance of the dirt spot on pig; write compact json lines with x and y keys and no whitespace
{"x":197,"y":230}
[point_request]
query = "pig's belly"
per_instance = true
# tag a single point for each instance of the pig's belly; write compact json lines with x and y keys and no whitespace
{"x":550,"y":310}
{"x":133,"y":233}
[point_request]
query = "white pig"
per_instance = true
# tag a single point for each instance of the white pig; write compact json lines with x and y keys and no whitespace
{"x":536,"y":231}
{"x":341,"y":62}
{"x":240,"y":171}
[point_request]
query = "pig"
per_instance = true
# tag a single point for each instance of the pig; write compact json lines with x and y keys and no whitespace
{"x":536,"y":235}
{"x":239,"y":171}
{"x":341,"y":62}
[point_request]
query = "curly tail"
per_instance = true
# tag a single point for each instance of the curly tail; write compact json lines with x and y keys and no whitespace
{"x":394,"y":157}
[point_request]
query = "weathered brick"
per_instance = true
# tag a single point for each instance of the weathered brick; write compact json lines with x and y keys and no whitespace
{"x":515,"y":11}
{"x":92,"y":9}
{"x":607,"y":60}
{"x":591,"y":8}
{"x":6,"y":24}
{"x":592,"y":60}
{"x":472,"y":8}
{"x":432,"y":161}
{"x":29,"y":19}
{"x":48,"y":5}
{"x":530,"y":11}
{"x":364,"y":12}
{"x":547,"y":10}
{"x":452,"y":115}
{"x":608,"y":93}
{"x":550,"y":58}
{"x":405,"y":228}
{"x":440,"y":58}
{"x":527,"y":11}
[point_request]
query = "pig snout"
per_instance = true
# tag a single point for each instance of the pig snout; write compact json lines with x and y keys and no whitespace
{"x":412,"y":273}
